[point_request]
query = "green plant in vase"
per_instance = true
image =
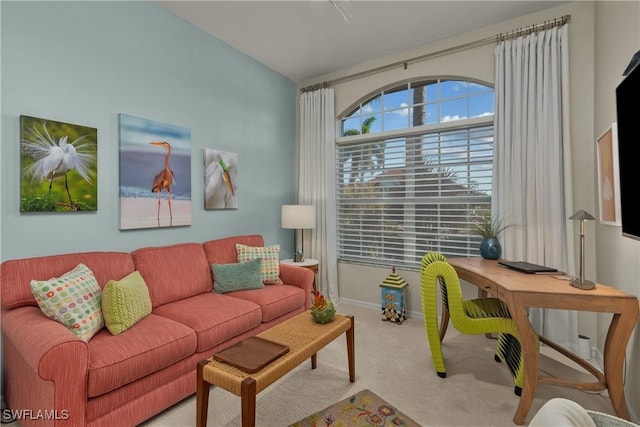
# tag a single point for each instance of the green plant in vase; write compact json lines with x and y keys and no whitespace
{"x":489,"y":228}
{"x":322,"y":310}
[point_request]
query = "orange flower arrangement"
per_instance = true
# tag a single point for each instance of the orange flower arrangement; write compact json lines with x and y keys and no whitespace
{"x":322,"y":309}
{"x":319,"y":301}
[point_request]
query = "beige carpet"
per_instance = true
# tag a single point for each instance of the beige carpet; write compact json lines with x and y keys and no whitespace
{"x":394,"y":362}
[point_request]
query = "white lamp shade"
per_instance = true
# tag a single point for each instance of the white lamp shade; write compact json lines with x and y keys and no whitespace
{"x":298,"y":216}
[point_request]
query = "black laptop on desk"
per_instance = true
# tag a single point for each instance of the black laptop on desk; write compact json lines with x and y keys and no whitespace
{"x":527,"y":267}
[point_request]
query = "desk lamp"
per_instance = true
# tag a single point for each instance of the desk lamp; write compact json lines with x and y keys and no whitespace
{"x":580,"y":282}
{"x":298,"y":217}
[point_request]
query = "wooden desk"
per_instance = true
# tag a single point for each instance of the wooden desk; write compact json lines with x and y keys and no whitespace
{"x":521,"y":290}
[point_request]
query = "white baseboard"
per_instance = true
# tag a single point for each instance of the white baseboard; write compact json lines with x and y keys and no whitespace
{"x":357,"y":303}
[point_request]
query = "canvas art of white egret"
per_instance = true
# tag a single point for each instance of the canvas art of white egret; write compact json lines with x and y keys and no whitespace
{"x":58,"y":165}
{"x":155,"y":174}
{"x":220,"y":179}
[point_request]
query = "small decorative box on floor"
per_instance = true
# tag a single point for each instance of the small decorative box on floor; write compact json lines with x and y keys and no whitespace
{"x":394,"y":298}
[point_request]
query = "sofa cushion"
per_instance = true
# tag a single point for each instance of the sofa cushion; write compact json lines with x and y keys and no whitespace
{"x":125,"y":302}
{"x":72,"y":299}
{"x":215,"y":318}
{"x":270,"y":256}
{"x":16,"y":274}
{"x":274,"y":301}
{"x":155,"y":342}
{"x":238,"y":276}
{"x":223,"y":251}
{"x":174,"y":272}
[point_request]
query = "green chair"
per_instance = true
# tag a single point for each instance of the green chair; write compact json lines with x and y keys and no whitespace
{"x":477,"y":316}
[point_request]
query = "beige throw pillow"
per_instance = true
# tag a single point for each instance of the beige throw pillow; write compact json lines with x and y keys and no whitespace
{"x":270,"y":256}
{"x":72,"y":299}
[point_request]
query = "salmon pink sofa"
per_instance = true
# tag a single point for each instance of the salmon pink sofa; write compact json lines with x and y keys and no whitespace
{"x":57,"y":379}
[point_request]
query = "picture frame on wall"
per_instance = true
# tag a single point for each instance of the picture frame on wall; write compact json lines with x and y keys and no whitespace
{"x":58,"y":166}
{"x":608,"y":176}
{"x":155,"y":174}
{"x":220,"y":179}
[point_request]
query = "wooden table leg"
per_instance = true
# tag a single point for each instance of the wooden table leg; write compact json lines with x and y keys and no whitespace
{"x":351,"y":351}
{"x":530,"y":358}
{"x":202,"y":396}
{"x":314,"y":361}
{"x":620,"y":330}
{"x":248,"y":402}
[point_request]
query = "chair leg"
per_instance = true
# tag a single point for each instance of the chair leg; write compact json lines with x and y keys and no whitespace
{"x":444,"y":322}
{"x":482,"y":293}
{"x":509,"y":352}
{"x":430,"y":315}
{"x":517,"y":390}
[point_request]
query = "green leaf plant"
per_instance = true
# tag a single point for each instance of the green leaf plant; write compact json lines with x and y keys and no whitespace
{"x":489,"y":226}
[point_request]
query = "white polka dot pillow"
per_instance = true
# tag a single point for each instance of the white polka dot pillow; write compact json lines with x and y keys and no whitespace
{"x":270,"y":256}
{"x":72,"y":299}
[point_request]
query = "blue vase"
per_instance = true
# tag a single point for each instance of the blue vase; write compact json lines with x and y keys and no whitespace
{"x":490,"y":248}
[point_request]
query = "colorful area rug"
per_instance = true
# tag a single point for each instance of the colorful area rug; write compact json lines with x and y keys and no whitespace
{"x":363,"y":409}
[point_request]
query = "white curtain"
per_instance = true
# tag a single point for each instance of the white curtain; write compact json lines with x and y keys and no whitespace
{"x":316,"y":183}
{"x":532,"y":163}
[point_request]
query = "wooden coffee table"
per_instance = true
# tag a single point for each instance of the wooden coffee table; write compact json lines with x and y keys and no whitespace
{"x":304,"y":338}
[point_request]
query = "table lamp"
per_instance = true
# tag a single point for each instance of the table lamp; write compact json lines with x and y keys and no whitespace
{"x":580,"y":282}
{"x":298,"y":217}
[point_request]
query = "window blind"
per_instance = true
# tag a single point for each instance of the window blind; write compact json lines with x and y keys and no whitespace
{"x":402,"y":196}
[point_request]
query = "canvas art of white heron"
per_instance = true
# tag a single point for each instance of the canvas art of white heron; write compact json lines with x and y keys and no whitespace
{"x":55,"y":158}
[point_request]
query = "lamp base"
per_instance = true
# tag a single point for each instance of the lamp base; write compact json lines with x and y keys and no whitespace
{"x":582,"y":284}
{"x":298,"y":256}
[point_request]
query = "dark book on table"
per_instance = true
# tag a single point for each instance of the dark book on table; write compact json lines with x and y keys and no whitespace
{"x":527,"y":267}
{"x":252,"y":354}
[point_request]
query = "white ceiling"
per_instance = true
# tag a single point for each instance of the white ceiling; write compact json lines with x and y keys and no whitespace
{"x":304,"y":39}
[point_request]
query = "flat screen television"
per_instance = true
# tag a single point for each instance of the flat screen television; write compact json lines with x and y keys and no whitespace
{"x":628,"y":124}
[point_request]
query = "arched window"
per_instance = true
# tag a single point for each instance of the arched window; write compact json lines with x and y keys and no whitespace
{"x":414,"y":172}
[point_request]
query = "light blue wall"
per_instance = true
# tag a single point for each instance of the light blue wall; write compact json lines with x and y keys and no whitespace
{"x":85,"y":62}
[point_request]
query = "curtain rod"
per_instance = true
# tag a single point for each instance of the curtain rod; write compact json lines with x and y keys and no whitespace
{"x":529,"y":29}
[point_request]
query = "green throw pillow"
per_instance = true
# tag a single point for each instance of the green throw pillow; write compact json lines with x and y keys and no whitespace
{"x":72,"y":299}
{"x":237,"y":277}
{"x":125,"y":302}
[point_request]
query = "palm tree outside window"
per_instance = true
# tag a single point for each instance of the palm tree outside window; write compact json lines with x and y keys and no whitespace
{"x":414,"y":172}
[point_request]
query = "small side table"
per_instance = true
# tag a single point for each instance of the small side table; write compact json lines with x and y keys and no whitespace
{"x":310,"y":263}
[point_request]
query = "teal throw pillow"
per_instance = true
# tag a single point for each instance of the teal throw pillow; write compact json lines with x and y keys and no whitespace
{"x":237,"y":277}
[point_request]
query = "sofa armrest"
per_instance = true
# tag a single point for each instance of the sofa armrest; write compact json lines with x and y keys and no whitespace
{"x":45,"y":365}
{"x":298,"y":276}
